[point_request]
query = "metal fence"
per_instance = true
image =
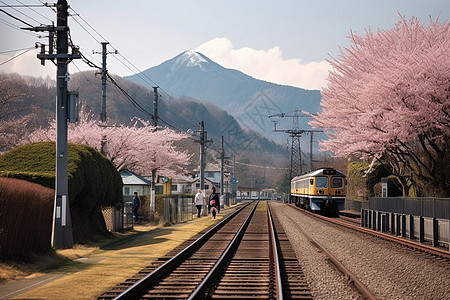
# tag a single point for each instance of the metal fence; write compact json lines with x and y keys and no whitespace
{"x":118,"y":219}
{"x":178,"y":209}
{"x":426,"y":207}
{"x":355,"y":205}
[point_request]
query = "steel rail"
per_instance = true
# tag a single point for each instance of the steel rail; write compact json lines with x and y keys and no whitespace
{"x":351,"y":278}
{"x":155,"y":276}
{"x":421,"y":247}
{"x":200,"y":291}
{"x":276,"y":257}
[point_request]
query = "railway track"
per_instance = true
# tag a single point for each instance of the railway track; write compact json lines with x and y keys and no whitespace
{"x":247,"y":255}
{"x":350,"y":223}
{"x":352,"y":279}
{"x":388,"y":270}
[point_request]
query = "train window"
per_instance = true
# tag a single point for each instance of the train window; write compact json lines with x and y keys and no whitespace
{"x":336,"y":182}
{"x":311,"y":181}
{"x":321,"y":182}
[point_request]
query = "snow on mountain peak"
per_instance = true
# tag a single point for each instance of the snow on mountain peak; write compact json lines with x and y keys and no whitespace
{"x":191,"y":58}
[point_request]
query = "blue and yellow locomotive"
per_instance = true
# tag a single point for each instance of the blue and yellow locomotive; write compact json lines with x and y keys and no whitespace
{"x":321,"y":190}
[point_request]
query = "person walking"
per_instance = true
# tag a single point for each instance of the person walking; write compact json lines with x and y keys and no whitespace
{"x":213,"y":201}
{"x":135,"y":205}
{"x":198,"y":202}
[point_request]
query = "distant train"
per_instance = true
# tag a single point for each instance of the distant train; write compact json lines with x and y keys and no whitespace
{"x":321,"y":190}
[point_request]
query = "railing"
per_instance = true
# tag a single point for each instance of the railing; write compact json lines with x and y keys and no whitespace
{"x":425,"y":219}
{"x":426,"y":207}
{"x":178,"y":209}
{"x":356,"y":205}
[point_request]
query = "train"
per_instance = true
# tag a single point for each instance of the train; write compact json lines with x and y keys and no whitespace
{"x":321,"y":191}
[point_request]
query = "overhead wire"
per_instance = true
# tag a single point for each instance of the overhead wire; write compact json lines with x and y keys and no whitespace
{"x":182,"y":111}
{"x":16,"y":56}
{"x":22,"y":13}
{"x":16,"y":18}
{"x":9,"y":51}
{"x":136,"y":71}
{"x":129,"y":97}
{"x":30,"y":7}
{"x":258,"y":166}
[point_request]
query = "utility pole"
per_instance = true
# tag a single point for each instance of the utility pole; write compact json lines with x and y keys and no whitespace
{"x":202,"y":163}
{"x":62,"y":236}
{"x":155,"y":123}
{"x":155,"y":106}
{"x":222,"y":162}
{"x":104,"y":74}
{"x":203,"y":141}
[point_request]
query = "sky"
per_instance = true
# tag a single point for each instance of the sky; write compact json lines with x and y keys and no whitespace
{"x":284,"y":41}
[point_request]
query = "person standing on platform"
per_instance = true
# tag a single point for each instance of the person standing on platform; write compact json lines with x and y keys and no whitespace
{"x":198,"y":202}
{"x":135,"y":205}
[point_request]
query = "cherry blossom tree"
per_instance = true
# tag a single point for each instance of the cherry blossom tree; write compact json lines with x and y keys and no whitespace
{"x":139,"y":147}
{"x":388,"y":99}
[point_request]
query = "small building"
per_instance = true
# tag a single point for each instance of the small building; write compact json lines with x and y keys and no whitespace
{"x":245,"y":193}
{"x":182,"y":185}
{"x":209,"y":184}
{"x":133,"y":182}
{"x":212,"y":173}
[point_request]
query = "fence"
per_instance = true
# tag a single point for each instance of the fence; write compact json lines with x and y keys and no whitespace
{"x":426,"y":207}
{"x":118,"y":219}
{"x":355,"y":205}
{"x":425,"y":219}
{"x":178,"y":209}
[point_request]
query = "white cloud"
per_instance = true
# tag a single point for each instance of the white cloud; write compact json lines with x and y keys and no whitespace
{"x":27,"y":64}
{"x":267,"y":65}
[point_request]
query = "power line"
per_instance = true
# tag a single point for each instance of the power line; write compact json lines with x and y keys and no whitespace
{"x":22,"y":13}
{"x":9,"y":51}
{"x":258,"y":166}
{"x":16,"y":18}
{"x":14,"y":57}
{"x":78,"y":15}
{"x":136,"y":71}
{"x":30,"y":7}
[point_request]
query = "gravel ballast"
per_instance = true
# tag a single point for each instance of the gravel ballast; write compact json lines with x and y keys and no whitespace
{"x":390,"y":271}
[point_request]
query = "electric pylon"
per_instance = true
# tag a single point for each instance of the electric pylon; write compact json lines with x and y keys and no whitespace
{"x":296,"y":164}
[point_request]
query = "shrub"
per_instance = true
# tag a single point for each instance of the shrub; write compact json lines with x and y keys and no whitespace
{"x":361,"y":187}
{"x":93,"y":181}
{"x":25,"y":218}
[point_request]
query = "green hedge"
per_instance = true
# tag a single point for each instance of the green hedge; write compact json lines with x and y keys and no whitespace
{"x":93,"y":181}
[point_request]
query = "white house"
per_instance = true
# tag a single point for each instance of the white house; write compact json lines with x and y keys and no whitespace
{"x":212,"y":173}
{"x":189,"y":185}
{"x":134,"y":183}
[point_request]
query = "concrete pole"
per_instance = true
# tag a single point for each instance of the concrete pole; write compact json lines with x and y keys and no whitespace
{"x":104,"y":73}
{"x":202,"y":165}
{"x":62,"y":236}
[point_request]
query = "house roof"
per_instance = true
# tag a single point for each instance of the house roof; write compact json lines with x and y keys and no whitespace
{"x":130,"y":178}
{"x":182,"y":179}
{"x":209,"y":167}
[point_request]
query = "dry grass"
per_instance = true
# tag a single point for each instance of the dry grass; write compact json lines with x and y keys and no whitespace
{"x":91,"y":270}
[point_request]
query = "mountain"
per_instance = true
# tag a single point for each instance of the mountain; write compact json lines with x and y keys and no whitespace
{"x":249,"y":100}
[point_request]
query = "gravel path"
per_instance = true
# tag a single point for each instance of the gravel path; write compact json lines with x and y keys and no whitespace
{"x":389,"y":271}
